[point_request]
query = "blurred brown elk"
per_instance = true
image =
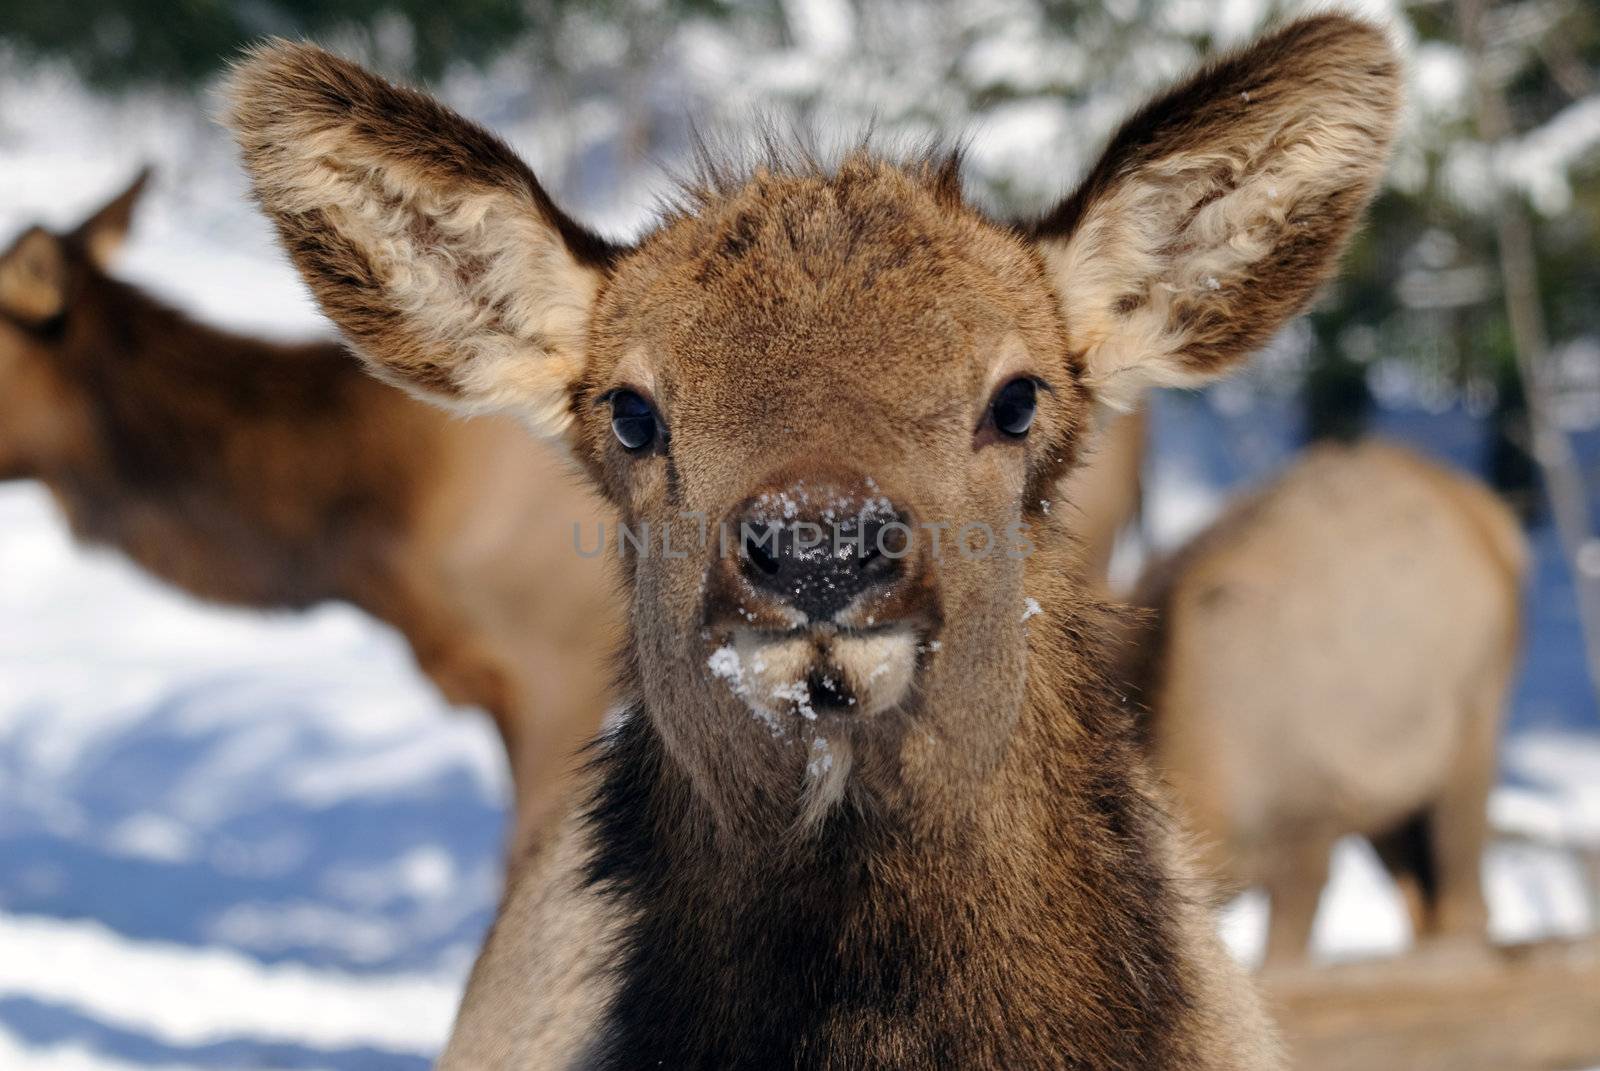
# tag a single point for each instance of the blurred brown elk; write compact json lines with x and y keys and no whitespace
{"x":1103,"y":496}
{"x":279,"y":476}
{"x":864,"y":809}
{"x":1332,"y":656}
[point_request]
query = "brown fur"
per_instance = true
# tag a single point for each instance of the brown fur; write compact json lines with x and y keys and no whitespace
{"x":1383,"y":592}
{"x":966,"y":867}
{"x":1104,"y":496}
{"x":280,"y":476}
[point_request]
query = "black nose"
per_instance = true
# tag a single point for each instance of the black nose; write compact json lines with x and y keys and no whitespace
{"x":819,"y":561}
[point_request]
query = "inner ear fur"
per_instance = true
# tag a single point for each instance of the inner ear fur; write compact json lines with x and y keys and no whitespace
{"x":33,"y":277}
{"x":1218,"y":209}
{"x":423,"y":237}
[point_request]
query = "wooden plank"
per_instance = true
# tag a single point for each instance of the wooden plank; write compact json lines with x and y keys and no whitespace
{"x":1533,"y":1007}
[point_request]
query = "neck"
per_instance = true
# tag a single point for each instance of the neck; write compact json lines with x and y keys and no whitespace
{"x":190,"y":446}
{"x":880,"y":939}
{"x":164,"y":390}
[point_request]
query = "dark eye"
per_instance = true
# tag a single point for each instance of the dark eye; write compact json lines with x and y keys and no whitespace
{"x":633,"y":421}
{"x":1013,"y":407}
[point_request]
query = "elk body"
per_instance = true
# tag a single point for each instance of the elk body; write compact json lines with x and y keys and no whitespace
{"x":865,"y":809}
{"x":280,"y":476}
{"x":1333,"y":656}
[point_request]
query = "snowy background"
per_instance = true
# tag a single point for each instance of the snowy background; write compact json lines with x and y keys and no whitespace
{"x":235,"y":840}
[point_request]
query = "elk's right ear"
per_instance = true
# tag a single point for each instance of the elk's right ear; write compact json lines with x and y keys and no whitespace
{"x":103,"y":234}
{"x":423,"y":236}
{"x":33,"y":278}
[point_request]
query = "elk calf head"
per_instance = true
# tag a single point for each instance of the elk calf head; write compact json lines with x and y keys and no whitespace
{"x":43,"y":279}
{"x":855,"y":351}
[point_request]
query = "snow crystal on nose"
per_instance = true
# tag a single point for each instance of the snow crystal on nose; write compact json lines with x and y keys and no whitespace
{"x":837,"y":507}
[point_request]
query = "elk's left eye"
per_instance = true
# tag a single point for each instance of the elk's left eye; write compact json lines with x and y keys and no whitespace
{"x":1013,"y":407}
{"x":633,"y":421}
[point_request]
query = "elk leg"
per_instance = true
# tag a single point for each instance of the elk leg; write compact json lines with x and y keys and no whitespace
{"x":1294,"y":888}
{"x":1459,"y":821}
{"x":1459,"y":828}
{"x":1406,"y":852}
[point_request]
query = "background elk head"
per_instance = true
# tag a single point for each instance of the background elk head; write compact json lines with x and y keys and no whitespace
{"x":44,"y":277}
{"x":800,"y":344}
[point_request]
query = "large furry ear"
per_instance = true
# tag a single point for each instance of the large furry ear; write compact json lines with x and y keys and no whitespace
{"x":1218,"y":209}
{"x":423,"y":236}
{"x":103,"y":234}
{"x":33,"y":278}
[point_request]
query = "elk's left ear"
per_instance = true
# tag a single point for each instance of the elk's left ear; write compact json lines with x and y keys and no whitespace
{"x":33,"y":277}
{"x":102,"y":235}
{"x":1218,"y":208}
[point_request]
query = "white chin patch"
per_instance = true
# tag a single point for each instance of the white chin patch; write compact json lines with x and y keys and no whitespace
{"x":878,"y":668}
{"x":773,"y":675}
{"x":865,"y":674}
{"x":769,"y":675}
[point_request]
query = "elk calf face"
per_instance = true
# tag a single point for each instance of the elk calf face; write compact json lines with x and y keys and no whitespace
{"x":853,"y":353}
{"x":823,"y":356}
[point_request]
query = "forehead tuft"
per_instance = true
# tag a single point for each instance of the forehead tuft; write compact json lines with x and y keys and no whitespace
{"x":869,"y":215}
{"x":888,"y":240}
{"x":720,"y":176}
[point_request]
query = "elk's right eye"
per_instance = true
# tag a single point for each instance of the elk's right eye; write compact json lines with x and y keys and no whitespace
{"x":633,"y":421}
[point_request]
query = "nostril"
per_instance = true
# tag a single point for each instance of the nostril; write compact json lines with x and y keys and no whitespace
{"x":880,"y":548}
{"x":760,"y":556}
{"x":877,"y":566}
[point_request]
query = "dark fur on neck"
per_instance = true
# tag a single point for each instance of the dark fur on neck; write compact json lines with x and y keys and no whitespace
{"x":1038,"y":934}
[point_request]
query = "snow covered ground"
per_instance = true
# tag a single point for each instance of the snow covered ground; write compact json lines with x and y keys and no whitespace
{"x":225,"y":839}
{"x":235,"y":840}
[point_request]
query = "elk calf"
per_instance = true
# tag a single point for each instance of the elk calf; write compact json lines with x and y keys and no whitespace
{"x":278,"y":476}
{"x":1332,"y":656}
{"x":874,"y":804}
